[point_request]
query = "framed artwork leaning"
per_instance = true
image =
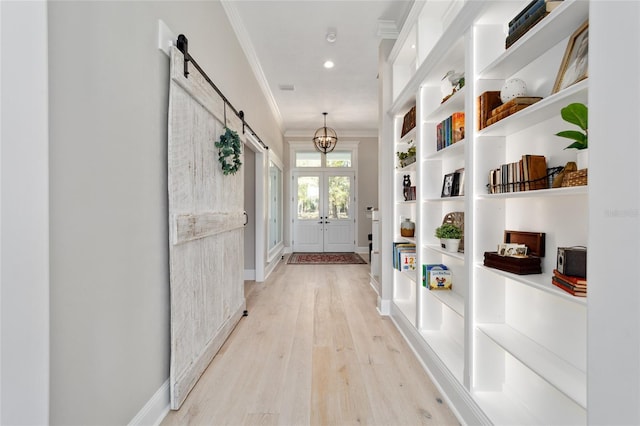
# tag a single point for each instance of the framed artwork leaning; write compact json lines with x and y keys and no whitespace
{"x":575,"y":63}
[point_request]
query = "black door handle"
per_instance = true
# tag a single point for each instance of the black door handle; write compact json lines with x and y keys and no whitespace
{"x":246,"y":218}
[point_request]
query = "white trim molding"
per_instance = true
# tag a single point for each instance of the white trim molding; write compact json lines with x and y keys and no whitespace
{"x":155,"y":410}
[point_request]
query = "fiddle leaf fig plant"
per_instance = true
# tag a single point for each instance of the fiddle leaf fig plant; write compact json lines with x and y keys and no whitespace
{"x":576,"y":113}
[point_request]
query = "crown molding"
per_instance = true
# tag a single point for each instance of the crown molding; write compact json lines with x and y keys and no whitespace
{"x":387,"y":29}
{"x":245,"y":42}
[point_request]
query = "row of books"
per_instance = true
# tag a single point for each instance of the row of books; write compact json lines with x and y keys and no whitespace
{"x":450,"y":130}
{"x":528,"y":17}
{"x":576,"y":286}
{"x":404,"y":256}
{"x":528,"y":173}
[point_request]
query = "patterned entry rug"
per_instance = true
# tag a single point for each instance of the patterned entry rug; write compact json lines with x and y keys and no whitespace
{"x":324,"y":258}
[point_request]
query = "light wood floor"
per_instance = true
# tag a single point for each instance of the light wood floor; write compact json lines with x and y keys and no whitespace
{"x":314,"y":351}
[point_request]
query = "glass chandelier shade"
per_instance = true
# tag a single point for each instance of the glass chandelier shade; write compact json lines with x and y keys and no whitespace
{"x":325,"y":138}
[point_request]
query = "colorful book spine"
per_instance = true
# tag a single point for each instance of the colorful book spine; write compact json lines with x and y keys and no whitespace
{"x":457,"y":120}
{"x":400,"y":249}
{"x":439,"y":136}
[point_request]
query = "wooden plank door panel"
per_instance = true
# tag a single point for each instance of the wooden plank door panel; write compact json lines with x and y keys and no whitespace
{"x":206,"y":222}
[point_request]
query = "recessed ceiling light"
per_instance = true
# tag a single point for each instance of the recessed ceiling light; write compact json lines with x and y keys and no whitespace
{"x":329,"y":64}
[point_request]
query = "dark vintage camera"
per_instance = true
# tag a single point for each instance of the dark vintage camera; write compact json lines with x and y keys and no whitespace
{"x":572,"y":261}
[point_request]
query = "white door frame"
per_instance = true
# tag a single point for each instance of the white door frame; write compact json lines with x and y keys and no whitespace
{"x":305,"y":146}
{"x":259,"y":215}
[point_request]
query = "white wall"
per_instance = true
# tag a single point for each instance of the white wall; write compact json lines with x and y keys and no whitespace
{"x":24,"y":226}
{"x":108,"y":189}
{"x":367,"y":186}
{"x":614,"y":214}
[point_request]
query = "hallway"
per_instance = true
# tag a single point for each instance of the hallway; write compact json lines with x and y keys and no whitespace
{"x":314,"y":350}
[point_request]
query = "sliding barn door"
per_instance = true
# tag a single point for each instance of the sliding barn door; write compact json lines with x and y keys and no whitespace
{"x":206,"y":222}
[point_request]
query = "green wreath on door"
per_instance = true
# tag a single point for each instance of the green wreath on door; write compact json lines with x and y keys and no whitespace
{"x":229,"y":145}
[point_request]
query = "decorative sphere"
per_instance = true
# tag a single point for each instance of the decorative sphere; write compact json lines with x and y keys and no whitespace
{"x":513,"y":88}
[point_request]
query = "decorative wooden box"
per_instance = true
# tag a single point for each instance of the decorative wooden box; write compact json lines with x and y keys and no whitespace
{"x":486,"y":103}
{"x":532,"y":264}
{"x":409,"y":121}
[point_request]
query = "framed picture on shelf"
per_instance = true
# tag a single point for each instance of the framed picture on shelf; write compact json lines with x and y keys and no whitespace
{"x":459,"y":188}
{"x":449,"y":185}
{"x":575,"y":63}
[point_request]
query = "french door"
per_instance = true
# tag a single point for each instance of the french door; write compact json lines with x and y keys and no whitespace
{"x":323,"y":211}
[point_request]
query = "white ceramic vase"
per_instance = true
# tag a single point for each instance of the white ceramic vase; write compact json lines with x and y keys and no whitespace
{"x":583,"y":159}
{"x":452,"y":245}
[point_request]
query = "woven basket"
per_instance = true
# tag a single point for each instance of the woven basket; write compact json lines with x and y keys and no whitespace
{"x":577,"y":178}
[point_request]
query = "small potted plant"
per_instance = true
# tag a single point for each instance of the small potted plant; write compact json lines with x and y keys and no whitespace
{"x":578,"y":114}
{"x":406,"y":158}
{"x":450,"y":236}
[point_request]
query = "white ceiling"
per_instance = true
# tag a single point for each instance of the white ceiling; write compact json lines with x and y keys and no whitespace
{"x":285,"y":41}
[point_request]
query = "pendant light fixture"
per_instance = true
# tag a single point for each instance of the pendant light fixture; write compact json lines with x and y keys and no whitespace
{"x":325,"y":138}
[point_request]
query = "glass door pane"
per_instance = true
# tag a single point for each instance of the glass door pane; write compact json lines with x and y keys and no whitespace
{"x":308,"y":197}
{"x":339,"y":196}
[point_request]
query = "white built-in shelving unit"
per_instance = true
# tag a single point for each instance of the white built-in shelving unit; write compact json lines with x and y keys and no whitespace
{"x":504,"y":348}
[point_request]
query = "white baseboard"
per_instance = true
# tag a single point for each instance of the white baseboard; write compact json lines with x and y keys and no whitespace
{"x":155,"y":410}
{"x":362,"y":250}
{"x":272,"y":265}
{"x":384,"y":306}
{"x":249,"y":274}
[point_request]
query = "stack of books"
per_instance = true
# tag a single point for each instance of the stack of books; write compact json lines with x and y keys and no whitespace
{"x":404,"y":256}
{"x":573,"y":285}
{"x":528,"y":17}
{"x":510,"y":107}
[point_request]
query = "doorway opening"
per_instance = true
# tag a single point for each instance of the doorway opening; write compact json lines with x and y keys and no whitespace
{"x":323,"y":209}
{"x":324,"y":218}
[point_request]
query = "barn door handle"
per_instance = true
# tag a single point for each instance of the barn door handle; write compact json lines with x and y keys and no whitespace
{"x":246,"y":218}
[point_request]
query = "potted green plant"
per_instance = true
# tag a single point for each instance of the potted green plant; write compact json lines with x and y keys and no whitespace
{"x":450,"y":236}
{"x":577,"y":113}
{"x":402,"y":156}
{"x":406,"y":158}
